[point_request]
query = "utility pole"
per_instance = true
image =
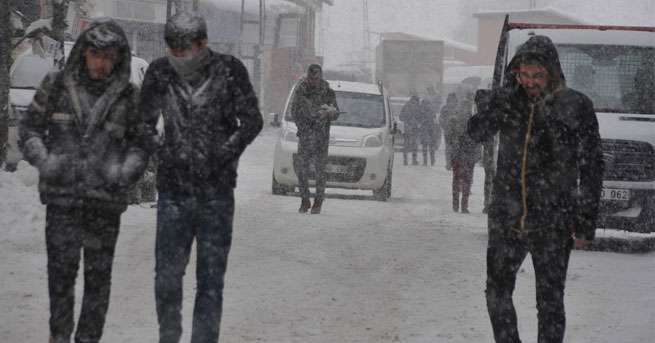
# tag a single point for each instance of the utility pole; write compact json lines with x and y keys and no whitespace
{"x":178,"y":7}
{"x":59,"y":25}
{"x":5,"y":53}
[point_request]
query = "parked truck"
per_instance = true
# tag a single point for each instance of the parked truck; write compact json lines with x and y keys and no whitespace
{"x":409,"y":65}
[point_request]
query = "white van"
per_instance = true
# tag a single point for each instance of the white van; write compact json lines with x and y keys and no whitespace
{"x":360,"y":155}
{"x":26,"y":74}
{"x":615,"y":67}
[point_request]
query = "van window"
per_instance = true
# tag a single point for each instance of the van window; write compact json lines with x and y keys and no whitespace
{"x":361,"y":110}
{"x":29,"y":71}
{"x":618,"y":79}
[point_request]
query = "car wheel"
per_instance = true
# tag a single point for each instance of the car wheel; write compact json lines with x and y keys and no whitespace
{"x":384,"y":192}
{"x":279,"y":189}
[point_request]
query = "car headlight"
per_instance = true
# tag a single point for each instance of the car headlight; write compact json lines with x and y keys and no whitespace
{"x":291,"y":136}
{"x":373,"y":141}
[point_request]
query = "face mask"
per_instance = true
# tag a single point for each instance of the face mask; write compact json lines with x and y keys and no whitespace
{"x":188,"y":65}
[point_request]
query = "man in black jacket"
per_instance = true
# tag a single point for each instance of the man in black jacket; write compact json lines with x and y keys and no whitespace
{"x":314,"y":107}
{"x":547,"y":186}
{"x":82,"y":132}
{"x":210,"y":115}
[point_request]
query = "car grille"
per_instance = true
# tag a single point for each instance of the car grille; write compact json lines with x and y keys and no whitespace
{"x":352,"y":167}
{"x":628,"y":160}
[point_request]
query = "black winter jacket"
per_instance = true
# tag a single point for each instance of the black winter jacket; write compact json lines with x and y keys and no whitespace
{"x":86,"y":156}
{"x":550,"y":167}
{"x":205,"y":130}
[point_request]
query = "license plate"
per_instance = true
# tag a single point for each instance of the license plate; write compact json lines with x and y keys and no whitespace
{"x":615,"y":194}
{"x":337,"y":169}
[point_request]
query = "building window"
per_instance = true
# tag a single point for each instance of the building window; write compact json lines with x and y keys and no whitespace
{"x":134,"y":10}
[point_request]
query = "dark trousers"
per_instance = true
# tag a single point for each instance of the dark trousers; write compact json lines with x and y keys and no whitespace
{"x":410,"y":145}
{"x":462,"y":180}
{"x":489,"y":174}
{"x":68,"y":232}
{"x":550,"y":257}
{"x":428,"y":150}
{"x":312,"y":153}
{"x":179,"y":221}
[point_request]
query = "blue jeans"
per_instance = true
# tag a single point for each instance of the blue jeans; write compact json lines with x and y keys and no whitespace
{"x":180,"y":219}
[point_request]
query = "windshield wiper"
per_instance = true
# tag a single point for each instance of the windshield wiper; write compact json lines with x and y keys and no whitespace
{"x":23,"y":87}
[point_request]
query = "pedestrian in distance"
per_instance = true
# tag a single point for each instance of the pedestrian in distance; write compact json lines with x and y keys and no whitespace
{"x":210,"y":116}
{"x":463,"y":151}
{"x":427,"y":131}
{"x":410,"y":115}
{"x":547,"y":186}
{"x":449,"y":110}
{"x":82,"y":132}
{"x":314,"y":107}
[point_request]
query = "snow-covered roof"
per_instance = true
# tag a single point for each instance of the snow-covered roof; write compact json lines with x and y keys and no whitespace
{"x":271,"y":5}
{"x":447,"y":41}
{"x":545,"y":11}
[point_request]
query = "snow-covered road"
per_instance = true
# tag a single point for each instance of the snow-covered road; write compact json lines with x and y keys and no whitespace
{"x":407,"y":270}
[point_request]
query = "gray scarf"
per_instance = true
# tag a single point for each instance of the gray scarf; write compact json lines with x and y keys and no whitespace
{"x":190,"y":69}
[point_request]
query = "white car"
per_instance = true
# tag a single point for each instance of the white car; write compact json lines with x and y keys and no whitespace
{"x":26,"y":74}
{"x":360,"y":155}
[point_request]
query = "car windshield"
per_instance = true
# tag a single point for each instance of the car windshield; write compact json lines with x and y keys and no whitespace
{"x":357,"y":110}
{"x":29,"y":71}
{"x":360,"y":110}
{"x":617,"y":78}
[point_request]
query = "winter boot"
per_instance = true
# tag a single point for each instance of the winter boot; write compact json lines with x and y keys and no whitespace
{"x":304,"y":205}
{"x":58,"y":340}
{"x":316,"y":208}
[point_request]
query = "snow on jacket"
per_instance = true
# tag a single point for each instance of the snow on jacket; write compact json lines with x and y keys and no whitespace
{"x":206,"y":128}
{"x":86,"y":154}
{"x":544,"y":149}
{"x":307,"y":102}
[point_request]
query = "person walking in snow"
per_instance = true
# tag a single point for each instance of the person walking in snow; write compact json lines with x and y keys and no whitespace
{"x":427,"y":131}
{"x":82,"y":133}
{"x":410,"y":116}
{"x":210,"y":116}
{"x":314,"y":107}
{"x":547,"y":186}
{"x":463,"y":152}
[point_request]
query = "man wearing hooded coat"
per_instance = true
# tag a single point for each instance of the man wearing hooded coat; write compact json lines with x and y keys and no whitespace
{"x":82,"y":132}
{"x":547,"y":187}
{"x":210,"y":116}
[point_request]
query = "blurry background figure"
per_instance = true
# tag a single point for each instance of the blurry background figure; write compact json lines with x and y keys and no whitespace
{"x":426,"y":131}
{"x":463,"y":152}
{"x":410,"y":115}
{"x":449,"y":110}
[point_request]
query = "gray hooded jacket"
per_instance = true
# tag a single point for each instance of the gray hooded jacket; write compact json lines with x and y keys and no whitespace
{"x":84,"y":135}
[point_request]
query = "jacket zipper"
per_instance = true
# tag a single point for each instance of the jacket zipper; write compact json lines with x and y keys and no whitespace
{"x":524,"y":162}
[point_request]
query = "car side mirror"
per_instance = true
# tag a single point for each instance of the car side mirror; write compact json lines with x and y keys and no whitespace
{"x":394,"y":128}
{"x":275,"y":121}
{"x":482,"y":98}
